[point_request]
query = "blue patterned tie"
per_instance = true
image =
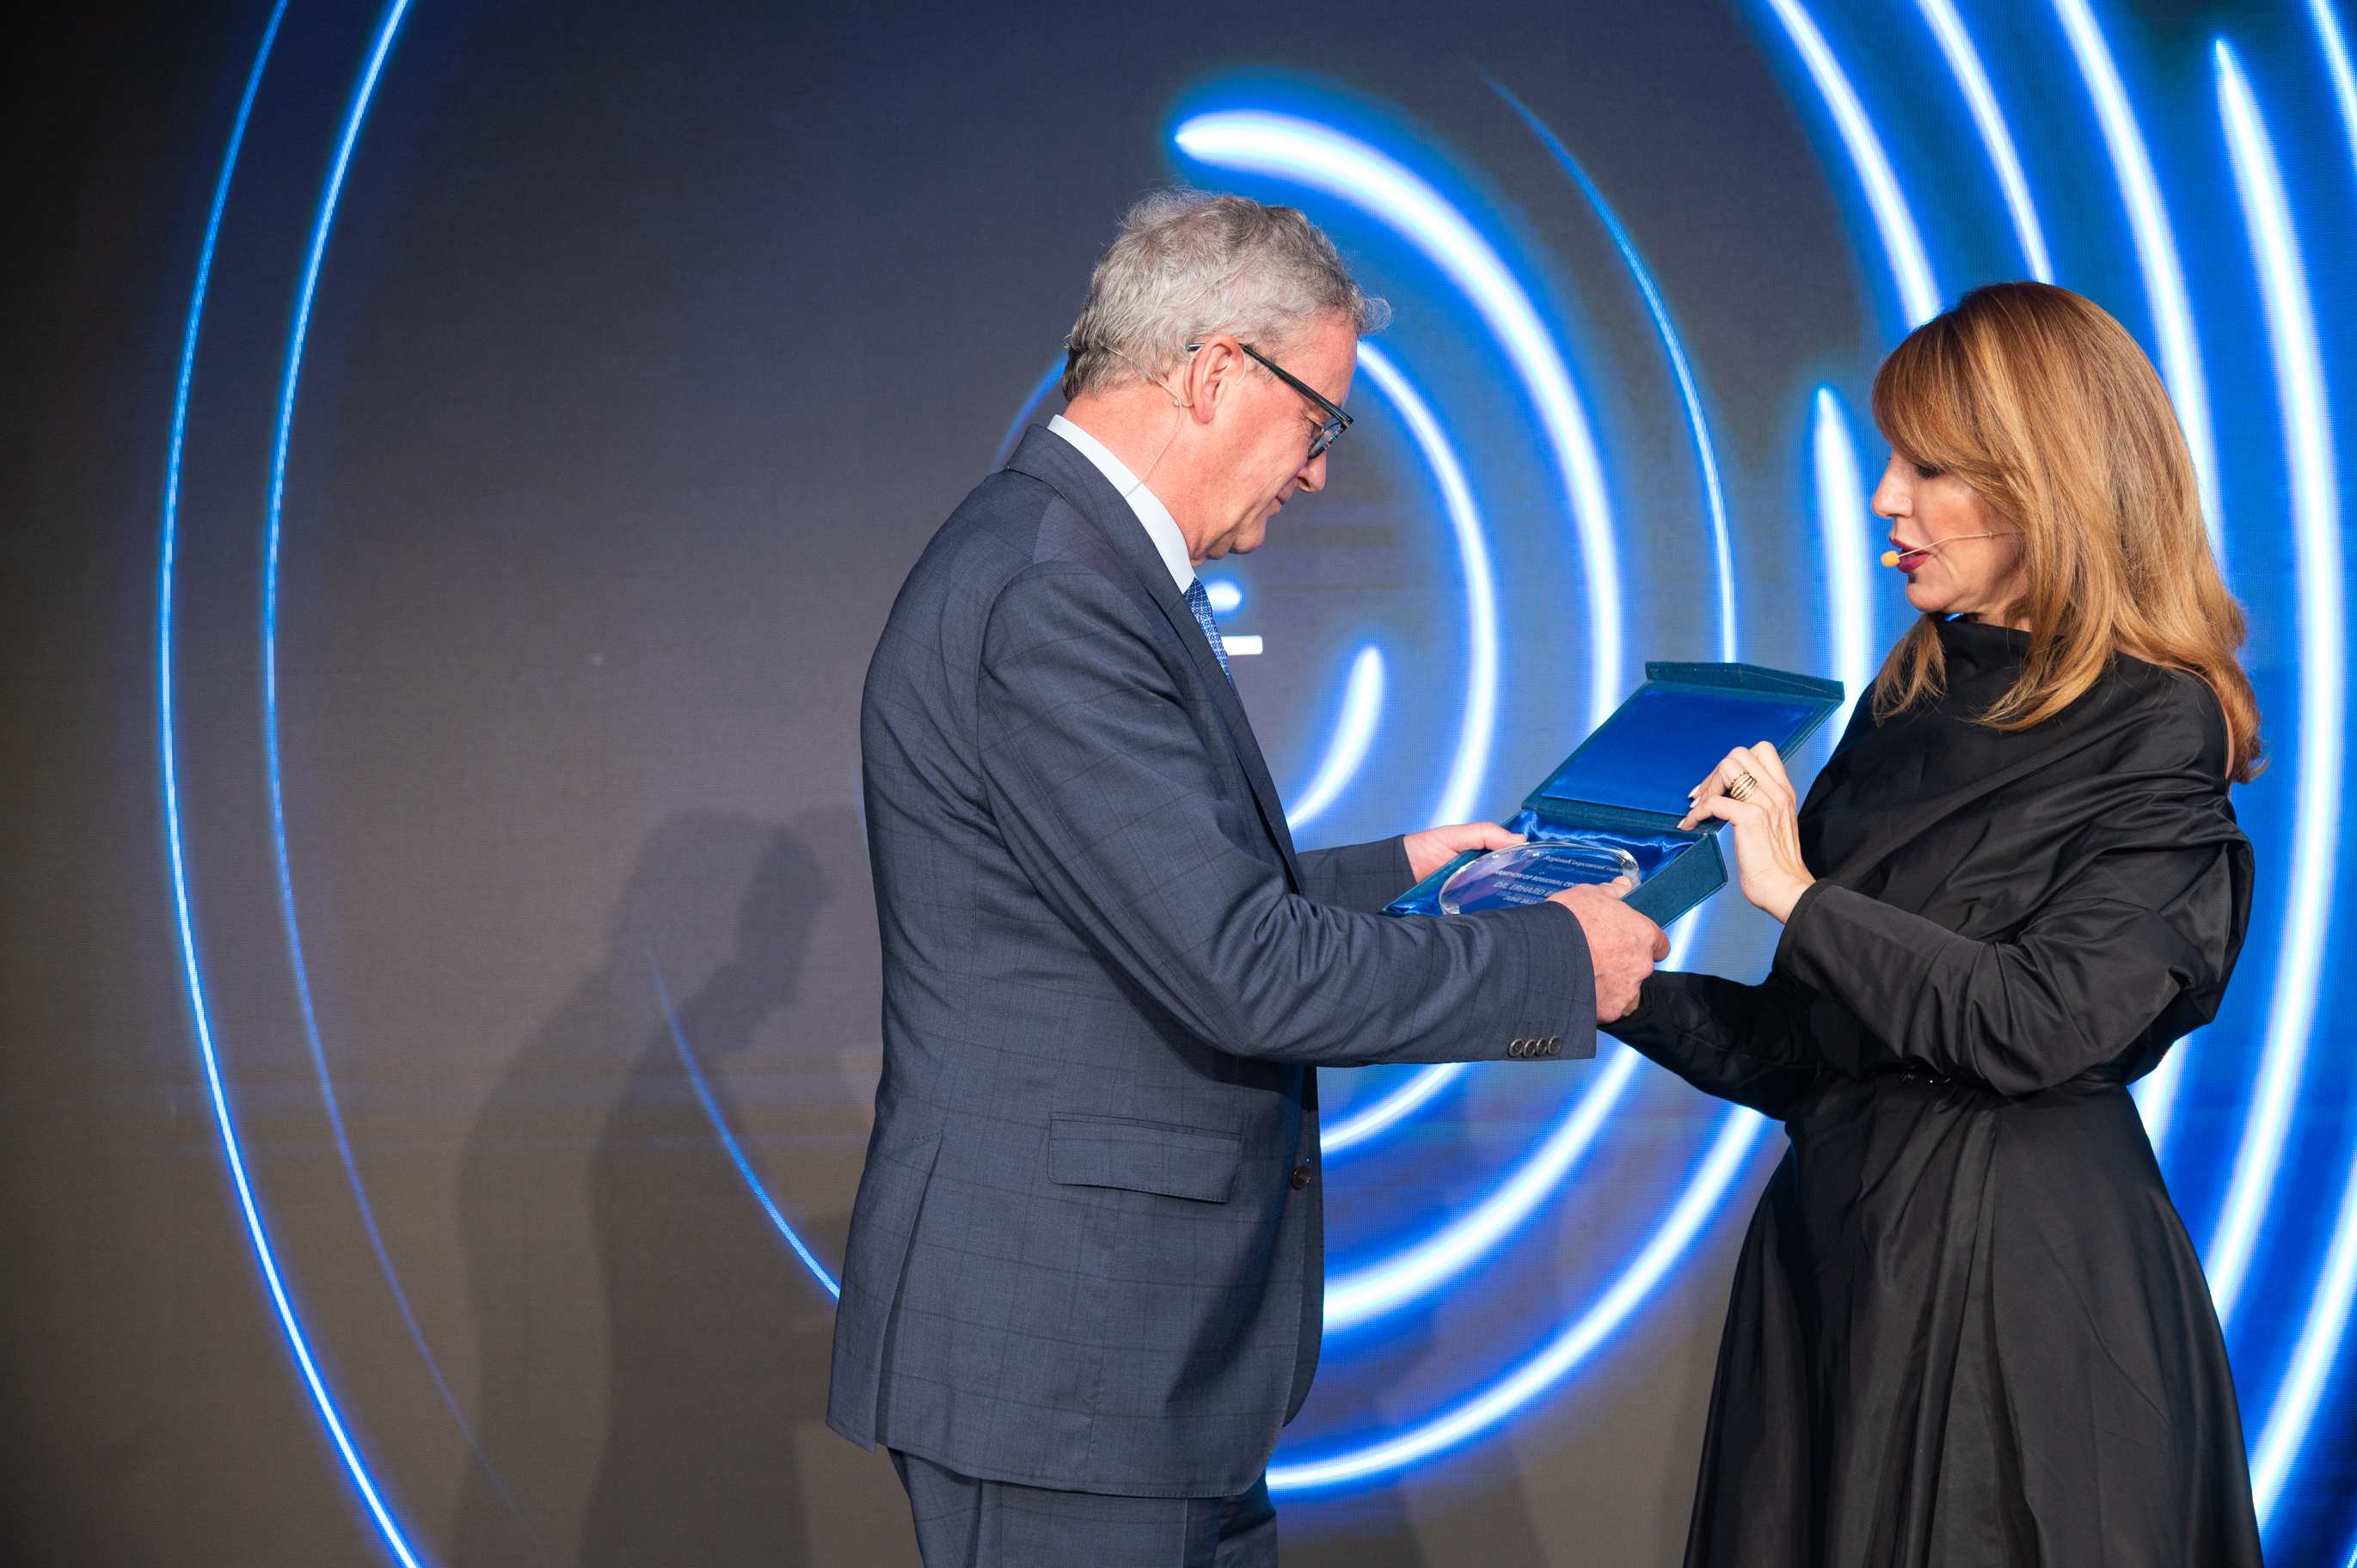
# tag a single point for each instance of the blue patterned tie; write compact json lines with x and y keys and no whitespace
{"x":1201,"y":603}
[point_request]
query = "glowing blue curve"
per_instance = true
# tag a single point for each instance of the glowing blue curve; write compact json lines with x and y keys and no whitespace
{"x":1739,"y":1130}
{"x":1423,"y":1268}
{"x":1046,"y":384}
{"x":1919,"y":296}
{"x":355,"y":118}
{"x":2312,"y":1359}
{"x":2155,"y":245}
{"x":1841,"y":508}
{"x":1722,"y":541}
{"x":1324,"y":159}
{"x":2307,"y":453}
{"x":1362,"y":704}
{"x":1417,"y":1271}
{"x":1467,"y":771}
{"x":1965,"y":61}
{"x":257,"y":1234}
{"x":2336,"y":65}
{"x":2329,"y":1309}
{"x":2316,"y":522}
{"x":1410,"y":1096}
{"x":753,"y":1182}
{"x":2156,"y":1094}
{"x":1363,"y":709}
{"x":1404,"y":201}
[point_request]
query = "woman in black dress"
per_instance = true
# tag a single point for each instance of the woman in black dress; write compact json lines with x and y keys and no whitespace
{"x":1967,"y":1326}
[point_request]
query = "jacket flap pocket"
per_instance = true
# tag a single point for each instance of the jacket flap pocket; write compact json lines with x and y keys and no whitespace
{"x":1143,"y":1156}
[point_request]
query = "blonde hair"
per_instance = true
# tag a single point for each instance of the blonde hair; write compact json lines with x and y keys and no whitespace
{"x":2045,"y":405}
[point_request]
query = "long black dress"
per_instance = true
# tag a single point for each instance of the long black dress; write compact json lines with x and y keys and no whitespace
{"x":1967,"y":1326}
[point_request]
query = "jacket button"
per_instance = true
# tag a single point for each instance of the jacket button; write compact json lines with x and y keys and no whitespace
{"x":1555,"y":1044}
{"x":1301,"y":1175}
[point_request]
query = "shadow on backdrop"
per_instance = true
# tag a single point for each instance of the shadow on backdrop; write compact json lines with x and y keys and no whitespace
{"x":646,"y":1356}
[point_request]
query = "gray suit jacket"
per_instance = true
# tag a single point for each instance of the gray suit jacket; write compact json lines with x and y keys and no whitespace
{"x":1086,"y":1253}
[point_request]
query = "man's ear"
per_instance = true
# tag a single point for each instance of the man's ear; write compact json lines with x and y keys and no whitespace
{"x":1211,"y":373}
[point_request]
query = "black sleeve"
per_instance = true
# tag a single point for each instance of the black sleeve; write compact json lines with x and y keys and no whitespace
{"x":2082,"y":981}
{"x":1363,"y":876}
{"x":1744,"y":1043}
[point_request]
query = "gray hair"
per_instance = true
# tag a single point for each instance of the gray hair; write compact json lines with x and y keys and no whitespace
{"x":1187,"y":264}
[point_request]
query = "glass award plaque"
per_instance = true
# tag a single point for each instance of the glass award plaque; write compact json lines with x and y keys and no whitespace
{"x":1612,"y":807}
{"x":1527,"y":873}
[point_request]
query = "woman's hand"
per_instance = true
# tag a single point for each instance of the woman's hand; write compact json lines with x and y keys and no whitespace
{"x":1766,"y":826}
{"x":1430,"y":849}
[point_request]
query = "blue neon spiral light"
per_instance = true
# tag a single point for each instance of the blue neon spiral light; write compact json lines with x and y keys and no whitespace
{"x":2155,"y":247}
{"x":2316,"y":522}
{"x":2283,"y":1229}
{"x":390,"y":1530}
{"x":1919,"y":296}
{"x":1326,"y":160}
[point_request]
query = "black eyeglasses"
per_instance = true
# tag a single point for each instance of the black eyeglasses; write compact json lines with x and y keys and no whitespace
{"x":1337,"y":420}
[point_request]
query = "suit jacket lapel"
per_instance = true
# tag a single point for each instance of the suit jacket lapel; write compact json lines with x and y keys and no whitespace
{"x":1048,"y":457}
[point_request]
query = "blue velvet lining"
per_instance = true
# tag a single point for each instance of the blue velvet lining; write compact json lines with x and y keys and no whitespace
{"x":1664,"y":737}
{"x":1651,"y":851}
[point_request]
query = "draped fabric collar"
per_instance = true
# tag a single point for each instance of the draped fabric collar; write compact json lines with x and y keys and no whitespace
{"x":1934,"y":812}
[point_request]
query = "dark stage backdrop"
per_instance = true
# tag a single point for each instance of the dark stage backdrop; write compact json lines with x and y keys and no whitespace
{"x":460,"y":456}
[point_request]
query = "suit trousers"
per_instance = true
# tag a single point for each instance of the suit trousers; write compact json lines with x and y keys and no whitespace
{"x":963,"y":1522}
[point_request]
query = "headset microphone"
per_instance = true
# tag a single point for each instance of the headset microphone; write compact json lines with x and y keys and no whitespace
{"x":1890,"y":557}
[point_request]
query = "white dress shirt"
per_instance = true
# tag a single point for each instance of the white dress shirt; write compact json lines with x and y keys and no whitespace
{"x":1160,"y":526}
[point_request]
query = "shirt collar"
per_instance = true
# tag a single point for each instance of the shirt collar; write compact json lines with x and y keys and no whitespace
{"x":1160,"y":526}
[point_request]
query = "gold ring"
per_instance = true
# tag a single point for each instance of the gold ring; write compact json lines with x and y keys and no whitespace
{"x":1742,"y":787}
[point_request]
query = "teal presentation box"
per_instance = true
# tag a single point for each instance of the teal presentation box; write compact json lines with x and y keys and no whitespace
{"x":1626,"y":786}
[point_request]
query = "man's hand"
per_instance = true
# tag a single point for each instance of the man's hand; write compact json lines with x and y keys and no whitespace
{"x":1430,"y":849}
{"x":1623,"y":945}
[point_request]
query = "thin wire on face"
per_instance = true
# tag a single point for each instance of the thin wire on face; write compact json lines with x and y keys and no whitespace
{"x":1891,"y":557}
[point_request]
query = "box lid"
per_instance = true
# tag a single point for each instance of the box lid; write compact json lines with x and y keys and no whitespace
{"x":1677,"y":726}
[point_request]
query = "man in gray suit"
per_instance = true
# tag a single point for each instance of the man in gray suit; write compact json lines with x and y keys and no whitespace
{"x":1085,"y":1280}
